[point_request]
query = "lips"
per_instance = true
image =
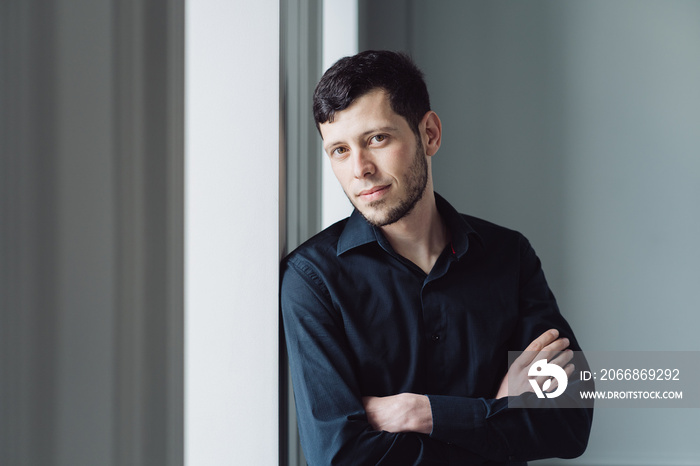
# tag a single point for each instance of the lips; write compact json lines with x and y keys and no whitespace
{"x":373,"y":193}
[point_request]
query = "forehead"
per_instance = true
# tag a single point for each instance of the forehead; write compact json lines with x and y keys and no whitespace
{"x":367,"y":113}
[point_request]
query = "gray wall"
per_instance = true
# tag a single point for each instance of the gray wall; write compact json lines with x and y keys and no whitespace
{"x":90,"y":233}
{"x":578,"y":124}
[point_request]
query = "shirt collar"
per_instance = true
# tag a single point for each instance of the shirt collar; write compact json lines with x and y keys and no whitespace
{"x":358,"y":232}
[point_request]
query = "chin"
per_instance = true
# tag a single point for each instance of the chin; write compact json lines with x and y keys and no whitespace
{"x":373,"y":216}
{"x":379,"y":217}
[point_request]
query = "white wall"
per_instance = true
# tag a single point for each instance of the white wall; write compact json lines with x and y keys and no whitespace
{"x":339,"y":40}
{"x":232,"y":232}
{"x":577,"y":124}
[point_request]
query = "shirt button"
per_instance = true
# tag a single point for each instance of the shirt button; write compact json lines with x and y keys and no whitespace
{"x":435,"y":337}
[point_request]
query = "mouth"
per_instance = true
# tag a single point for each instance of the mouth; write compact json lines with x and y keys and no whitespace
{"x":373,"y":193}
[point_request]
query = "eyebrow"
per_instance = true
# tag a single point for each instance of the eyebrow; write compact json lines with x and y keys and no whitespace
{"x":382,"y":129}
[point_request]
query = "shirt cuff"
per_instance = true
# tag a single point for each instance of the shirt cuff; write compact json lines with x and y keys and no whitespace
{"x":458,"y":420}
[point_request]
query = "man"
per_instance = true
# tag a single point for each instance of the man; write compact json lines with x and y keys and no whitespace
{"x":399,"y":318}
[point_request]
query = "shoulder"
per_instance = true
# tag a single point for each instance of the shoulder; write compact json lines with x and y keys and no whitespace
{"x":322,"y":246}
{"x":487,"y":234}
{"x":493,"y":235}
{"x":315,"y":256}
{"x":505,"y":246}
{"x":305,"y":273}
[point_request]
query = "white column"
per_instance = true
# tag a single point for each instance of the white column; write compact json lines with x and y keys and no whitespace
{"x":231,"y":232}
{"x":339,"y":40}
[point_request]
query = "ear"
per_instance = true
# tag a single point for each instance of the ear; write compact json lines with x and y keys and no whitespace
{"x":431,"y":132}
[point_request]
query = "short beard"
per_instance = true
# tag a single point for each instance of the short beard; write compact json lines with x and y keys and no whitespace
{"x":417,"y":181}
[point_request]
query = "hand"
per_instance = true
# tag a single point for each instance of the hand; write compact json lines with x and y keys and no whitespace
{"x":549,"y":346}
{"x":405,"y":412}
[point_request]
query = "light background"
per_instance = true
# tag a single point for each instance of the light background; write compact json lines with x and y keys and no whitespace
{"x":578,"y":124}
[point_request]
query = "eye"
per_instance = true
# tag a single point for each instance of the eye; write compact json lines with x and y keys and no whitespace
{"x":378,"y":138}
{"x":339,"y":151}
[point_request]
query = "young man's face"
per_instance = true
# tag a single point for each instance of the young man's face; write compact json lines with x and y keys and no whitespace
{"x":379,"y":161}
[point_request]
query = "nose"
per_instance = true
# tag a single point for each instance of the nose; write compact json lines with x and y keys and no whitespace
{"x":362,"y":164}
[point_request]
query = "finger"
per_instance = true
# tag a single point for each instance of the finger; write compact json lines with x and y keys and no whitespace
{"x":557,"y":345}
{"x":543,"y":340}
{"x":569,"y":369}
{"x":550,"y":351}
{"x":561,"y":360}
{"x":539,"y":343}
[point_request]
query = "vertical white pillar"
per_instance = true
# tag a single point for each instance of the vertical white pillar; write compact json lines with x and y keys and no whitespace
{"x":340,"y":28}
{"x":231,"y":232}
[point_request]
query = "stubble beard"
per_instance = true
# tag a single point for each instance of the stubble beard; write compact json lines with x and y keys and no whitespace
{"x":416,"y":182}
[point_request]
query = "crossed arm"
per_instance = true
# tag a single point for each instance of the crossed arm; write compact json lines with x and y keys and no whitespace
{"x":411,"y":412}
{"x":339,"y":426}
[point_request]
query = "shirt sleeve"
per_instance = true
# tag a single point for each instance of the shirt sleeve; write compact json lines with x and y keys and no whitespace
{"x":332,"y":422}
{"x":489,"y":427}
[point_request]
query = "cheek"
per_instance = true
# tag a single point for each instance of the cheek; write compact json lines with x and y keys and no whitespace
{"x":399,"y":162}
{"x":337,"y":170}
{"x":342,"y":175}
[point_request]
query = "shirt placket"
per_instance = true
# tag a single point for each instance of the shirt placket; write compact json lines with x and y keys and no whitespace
{"x":435,"y":322}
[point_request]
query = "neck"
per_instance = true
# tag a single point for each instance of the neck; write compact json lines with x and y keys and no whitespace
{"x":421,"y":236}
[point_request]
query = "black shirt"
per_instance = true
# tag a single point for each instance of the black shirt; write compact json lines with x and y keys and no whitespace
{"x":362,"y":320}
